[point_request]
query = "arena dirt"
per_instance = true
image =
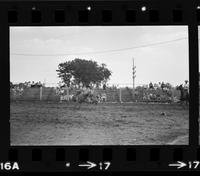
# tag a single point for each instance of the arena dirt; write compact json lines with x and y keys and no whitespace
{"x":42,"y":123}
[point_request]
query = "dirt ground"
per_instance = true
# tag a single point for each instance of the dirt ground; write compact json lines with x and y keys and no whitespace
{"x":42,"y":123}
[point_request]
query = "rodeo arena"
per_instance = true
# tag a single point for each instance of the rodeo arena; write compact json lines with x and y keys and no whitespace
{"x":57,"y":114}
{"x":160,"y":92}
{"x":42,"y":115}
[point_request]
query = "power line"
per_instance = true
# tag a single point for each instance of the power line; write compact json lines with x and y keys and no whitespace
{"x":105,"y":51}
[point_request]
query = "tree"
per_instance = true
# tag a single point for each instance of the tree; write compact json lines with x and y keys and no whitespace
{"x":83,"y":73}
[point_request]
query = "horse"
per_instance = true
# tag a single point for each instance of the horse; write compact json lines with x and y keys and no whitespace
{"x":184,"y":95}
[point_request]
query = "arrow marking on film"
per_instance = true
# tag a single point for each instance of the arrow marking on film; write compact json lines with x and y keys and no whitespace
{"x":89,"y":165}
{"x":179,"y":164}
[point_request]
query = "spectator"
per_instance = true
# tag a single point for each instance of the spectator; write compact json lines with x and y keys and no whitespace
{"x":151,"y":85}
{"x":162,"y":85}
{"x":169,"y":86}
{"x":104,"y":86}
{"x":159,"y":85}
{"x":40,"y":84}
{"x":32,"y":84}
{"x":28,"y":84}
{"x":156,"y":86}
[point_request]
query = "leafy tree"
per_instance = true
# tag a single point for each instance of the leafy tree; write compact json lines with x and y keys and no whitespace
{"x":83,"y":73}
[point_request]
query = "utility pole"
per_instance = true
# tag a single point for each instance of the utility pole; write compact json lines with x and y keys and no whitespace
{"x":134,"y":75}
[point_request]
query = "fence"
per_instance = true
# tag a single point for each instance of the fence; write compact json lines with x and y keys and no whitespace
{"x":42,"y":93}
{"x":112,"y":94}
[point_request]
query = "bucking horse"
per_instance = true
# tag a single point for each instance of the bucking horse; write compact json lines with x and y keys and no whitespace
{"x":85,"y":97}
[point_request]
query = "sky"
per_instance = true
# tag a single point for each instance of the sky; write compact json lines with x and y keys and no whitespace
{"x":160,"y":52}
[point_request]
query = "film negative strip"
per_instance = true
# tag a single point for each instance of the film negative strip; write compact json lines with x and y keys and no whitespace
{"x":99,"y":85}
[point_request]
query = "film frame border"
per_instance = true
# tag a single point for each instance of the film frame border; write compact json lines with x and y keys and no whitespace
{"x":110,"y":13}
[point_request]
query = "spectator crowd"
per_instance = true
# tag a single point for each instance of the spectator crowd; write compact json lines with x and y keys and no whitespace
{"x":18,"y":89}
{"x":160,"y":91}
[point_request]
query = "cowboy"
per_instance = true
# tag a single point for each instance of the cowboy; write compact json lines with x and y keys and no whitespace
{"x":186,"y":86}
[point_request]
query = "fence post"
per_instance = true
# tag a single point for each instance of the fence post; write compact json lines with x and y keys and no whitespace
{"x":67,"y":93}
{"x":40,"y":93}
{"x":173,"y":91}
{"x":120,"y":95}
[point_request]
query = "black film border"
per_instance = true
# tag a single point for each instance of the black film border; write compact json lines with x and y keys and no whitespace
{"x":103,"y":13}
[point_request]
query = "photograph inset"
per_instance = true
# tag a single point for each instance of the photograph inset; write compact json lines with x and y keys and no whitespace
{"x":99,"y":85}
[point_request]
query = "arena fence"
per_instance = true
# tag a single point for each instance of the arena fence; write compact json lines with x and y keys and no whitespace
{"x":111,"y":94}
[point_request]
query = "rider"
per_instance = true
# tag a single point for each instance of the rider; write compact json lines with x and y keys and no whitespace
{"x":86,"y":91}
